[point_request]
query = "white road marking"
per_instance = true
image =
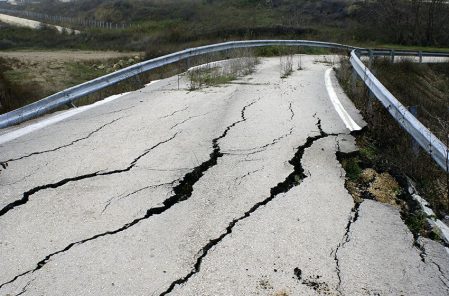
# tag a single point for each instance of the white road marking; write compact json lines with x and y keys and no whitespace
{"x":54,"y":119}
{"x":347,"y":119}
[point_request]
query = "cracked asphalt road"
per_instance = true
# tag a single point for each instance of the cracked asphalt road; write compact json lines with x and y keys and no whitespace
{"x":229,"y":190}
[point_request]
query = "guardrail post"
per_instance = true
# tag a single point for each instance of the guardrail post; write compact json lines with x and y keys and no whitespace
{"x":392,"y":55}
{"x":71,"y":105}
{"x":415,"y":146}
{"x":420,"y":57}
{"x":370,"y":53}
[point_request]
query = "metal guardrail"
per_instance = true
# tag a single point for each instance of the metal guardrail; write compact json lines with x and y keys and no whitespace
{"x":402,"y":53}
{"x":70,"y":95}
{"x":429,"y":142}
{"x":423,"y":136}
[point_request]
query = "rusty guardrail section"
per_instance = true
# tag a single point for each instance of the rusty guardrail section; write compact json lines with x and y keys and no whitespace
{"x":429,"y":142}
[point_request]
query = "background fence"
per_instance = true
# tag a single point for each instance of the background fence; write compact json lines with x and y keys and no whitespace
{"x":75,"y":23}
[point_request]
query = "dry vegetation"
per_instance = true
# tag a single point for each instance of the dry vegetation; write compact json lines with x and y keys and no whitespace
{"x":238,"y":63}
{"x":159,"y":27}
{"x":286,"y":63}
{"x":34,"y":76}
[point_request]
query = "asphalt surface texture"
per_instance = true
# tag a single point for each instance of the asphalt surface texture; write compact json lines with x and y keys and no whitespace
{"x":227,"y":190}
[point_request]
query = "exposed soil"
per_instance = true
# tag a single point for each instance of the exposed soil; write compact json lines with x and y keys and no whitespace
{"x":381,"y":187}
{"x":386,"y":187}
{"x":66,"y":55}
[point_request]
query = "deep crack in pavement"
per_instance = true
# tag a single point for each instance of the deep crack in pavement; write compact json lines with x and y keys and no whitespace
{"x":291,"y":181}
{"x":182,"y":192}
{"x":26,"y":196}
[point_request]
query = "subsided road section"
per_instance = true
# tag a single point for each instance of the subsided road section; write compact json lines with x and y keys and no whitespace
{"x":229,"y":190}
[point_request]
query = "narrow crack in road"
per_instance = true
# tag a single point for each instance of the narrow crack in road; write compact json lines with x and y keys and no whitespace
{"x":66,"y":145}
{"x":352,"y":219}
{"x":115,"y":111}
{"x":26,"y":176}
{"x":24,"y":289}
{"x":188,"y":119}
{"x":443,"y":277}
{"x":174,"y":112}
{"x":123,"y":195}
{"x":182,"y":192}
{"x":290,"y":108}
{"x":240,"y":179}
{"x":259,"y":149}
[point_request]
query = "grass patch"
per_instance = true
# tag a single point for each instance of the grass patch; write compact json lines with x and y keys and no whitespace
{"x":80,"y":72}
{"x":416,"y":222}
{"x":208,"y":77}
{"x":352,"y":167}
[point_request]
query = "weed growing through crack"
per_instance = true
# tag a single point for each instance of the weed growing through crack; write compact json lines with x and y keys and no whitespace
{"x":352,"y":168}
{"x":286,"y":65}
{"x":300,"y":67}
{"x":240,"y":63}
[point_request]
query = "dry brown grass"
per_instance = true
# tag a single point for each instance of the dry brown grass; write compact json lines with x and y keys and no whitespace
{"x":238,"y":63}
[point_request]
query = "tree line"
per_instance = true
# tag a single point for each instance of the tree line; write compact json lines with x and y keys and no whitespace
{"x":409,"y":22}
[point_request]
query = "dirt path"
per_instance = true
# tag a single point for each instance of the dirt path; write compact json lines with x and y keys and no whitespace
{"x":66,"y":55}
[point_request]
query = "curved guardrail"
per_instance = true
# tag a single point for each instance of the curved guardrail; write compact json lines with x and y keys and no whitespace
{"x":429,"y":142}
{"x":402,"y":53}
{"x":70,"y":95}
{"x":423,"y":136}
